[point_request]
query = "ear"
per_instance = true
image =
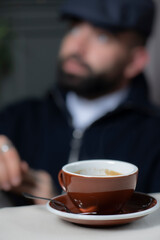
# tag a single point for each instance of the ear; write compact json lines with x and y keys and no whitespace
{"x":139,"y":60}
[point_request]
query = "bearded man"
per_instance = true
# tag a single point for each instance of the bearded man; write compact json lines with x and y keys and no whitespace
{"x":99,"y":108}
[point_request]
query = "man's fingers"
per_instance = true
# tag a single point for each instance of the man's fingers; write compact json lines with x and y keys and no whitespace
{"x":13,"y":164}
{"x":10,"y":164}
{"x":4,"y":177}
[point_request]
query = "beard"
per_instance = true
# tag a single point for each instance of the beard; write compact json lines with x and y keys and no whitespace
{"x":93,"y":85}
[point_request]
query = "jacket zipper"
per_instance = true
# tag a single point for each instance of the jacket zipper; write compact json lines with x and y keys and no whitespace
{"x":75,"y":145}
{"x":77,"y":134}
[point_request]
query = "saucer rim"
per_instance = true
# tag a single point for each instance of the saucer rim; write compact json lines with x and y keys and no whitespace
{"x":105,"y":217}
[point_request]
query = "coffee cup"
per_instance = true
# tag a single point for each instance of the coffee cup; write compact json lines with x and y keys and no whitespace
{"x":99,"y":186}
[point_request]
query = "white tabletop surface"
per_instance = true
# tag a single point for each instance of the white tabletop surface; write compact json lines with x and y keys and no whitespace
{"x":37,"y":223}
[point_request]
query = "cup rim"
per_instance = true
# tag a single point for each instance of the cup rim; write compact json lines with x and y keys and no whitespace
{"x":135,"y":168}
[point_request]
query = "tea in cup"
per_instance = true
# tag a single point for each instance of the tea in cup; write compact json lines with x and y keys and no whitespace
{"x":99,"y":186}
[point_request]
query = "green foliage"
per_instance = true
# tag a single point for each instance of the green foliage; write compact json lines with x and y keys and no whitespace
{"x":5,"y":54}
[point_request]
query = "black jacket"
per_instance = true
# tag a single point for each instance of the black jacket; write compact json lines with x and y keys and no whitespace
{"x":43,"y":134}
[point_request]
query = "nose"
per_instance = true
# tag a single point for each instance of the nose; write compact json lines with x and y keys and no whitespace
{"x":81,"y":45}
{"x":82,"y":42}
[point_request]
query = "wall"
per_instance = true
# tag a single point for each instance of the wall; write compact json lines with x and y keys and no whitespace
{"x":37,"y":33}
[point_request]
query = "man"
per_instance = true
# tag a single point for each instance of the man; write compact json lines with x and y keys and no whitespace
{"x":99,"y":108}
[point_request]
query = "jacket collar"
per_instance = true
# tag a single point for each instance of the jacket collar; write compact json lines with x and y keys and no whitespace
{"x":139,"y":93}
{"x":138,"y":98}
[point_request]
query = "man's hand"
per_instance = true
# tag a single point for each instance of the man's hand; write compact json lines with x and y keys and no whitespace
{"x":18,"y":177}
{"x":11,"y":167}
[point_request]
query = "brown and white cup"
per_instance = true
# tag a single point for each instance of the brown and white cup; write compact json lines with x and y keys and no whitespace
{"x":101,"y":186}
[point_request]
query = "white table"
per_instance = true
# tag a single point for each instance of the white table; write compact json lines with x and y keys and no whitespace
{"x":36,"y":223}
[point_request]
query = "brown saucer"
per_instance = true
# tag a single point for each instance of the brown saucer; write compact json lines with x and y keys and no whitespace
{"x":137,"y":207}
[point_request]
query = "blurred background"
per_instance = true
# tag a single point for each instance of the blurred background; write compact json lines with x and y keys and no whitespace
{"x":30,"y":36}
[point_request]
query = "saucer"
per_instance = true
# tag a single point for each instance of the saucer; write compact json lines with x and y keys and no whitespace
{"x":137,"y":207}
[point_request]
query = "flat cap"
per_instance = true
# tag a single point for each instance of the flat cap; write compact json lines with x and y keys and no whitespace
{"x":114,"y":15}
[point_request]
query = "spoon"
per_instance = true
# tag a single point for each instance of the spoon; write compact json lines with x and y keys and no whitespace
{"x":58,"y":205}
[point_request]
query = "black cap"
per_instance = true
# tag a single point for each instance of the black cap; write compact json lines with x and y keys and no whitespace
{"x":114,"y":15}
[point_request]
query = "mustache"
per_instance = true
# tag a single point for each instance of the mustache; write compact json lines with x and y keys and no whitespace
{"x":79,"y":60}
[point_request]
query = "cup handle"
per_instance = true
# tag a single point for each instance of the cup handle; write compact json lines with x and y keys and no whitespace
{"x":60,"y":179}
